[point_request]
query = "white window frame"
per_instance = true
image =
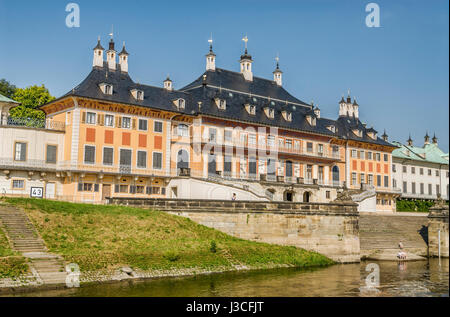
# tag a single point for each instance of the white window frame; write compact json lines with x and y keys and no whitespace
{"x":103,"y":155}
{"x":137,"y":159}
{"x":153,"y":159}
{"x":84,"y":154}
{"x":88,"y":113}
{"x":123,"y":120}
{"x":154,"y":126}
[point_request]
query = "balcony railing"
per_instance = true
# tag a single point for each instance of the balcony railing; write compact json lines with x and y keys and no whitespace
{"x":47,"y":124}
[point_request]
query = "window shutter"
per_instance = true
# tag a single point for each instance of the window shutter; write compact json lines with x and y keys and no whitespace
{"x":101,"y":119}
{"x":80,"y":187}
{"x":116,"y":188}
{"x":83,"y":117}
{"x":133,"y":124}
{"x":23,"y":151}
{"x":119,"y":122}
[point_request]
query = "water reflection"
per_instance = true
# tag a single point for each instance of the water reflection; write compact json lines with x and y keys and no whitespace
{"x":423,"y":278}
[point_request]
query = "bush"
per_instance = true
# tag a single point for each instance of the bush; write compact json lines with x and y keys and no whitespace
{"x":213,"y":246}
{"x":172,"y":256}
{"x":414,"y":205}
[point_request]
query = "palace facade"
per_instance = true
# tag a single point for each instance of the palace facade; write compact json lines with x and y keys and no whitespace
{"x":226,"y":133}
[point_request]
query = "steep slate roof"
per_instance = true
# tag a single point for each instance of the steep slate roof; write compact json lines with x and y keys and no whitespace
{"x":433,"y":154}
{"x":154,"y":97}
{"x":235,"y":81}
{"x":228,"y":85}
{"x":6,"y":99}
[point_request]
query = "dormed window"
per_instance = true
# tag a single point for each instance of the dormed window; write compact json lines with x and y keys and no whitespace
{"x":357,"y":132}
{"x":221,"y":103}
{"x":287,"y":115}
{"x":332,"y":128}
{"x":251,"y":109}
{"x":137,"y":94}
{"x":372,"y":135}
{"x":180,"y":103}
{"x":107,"y":89}
{"x":270,"y":112}
{"x":311,"y":120}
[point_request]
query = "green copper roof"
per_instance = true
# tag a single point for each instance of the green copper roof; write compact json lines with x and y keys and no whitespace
{"x":6,"y":99}
{"x":428,"y":153}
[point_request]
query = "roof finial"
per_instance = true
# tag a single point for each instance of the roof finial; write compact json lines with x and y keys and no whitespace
{"x":245,"y":39}
{"x":112,"y":32}
{"x":210,"y":41}
{"x":278,"y":60}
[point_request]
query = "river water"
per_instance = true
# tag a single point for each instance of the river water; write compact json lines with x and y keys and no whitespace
{"x":422,"y":278}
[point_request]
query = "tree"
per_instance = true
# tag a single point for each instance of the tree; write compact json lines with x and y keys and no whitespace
{"x":31,"y":98}
{"x":7,"y":89}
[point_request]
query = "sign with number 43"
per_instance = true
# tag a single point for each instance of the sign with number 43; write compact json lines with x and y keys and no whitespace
{"x":37,"y":192}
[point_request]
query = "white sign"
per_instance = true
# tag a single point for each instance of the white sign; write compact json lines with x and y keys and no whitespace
{"x":37,"y":192}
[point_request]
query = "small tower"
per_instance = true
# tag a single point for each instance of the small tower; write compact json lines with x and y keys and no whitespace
{"x":246,"y":63}
{"x":277,"y":73}
{"x":347,"y":108}
{"x":435,"y":140}
{"x":111,"y":54}
{"x":98,"y":55}
{"x":385,"y":136}
{"x":123,"y":59}
{"x":317,"y":112}
{"x":210,"y":57}
{"x":410,"y":141}
{"x":168,"y":84}
{"x":426,"y":139}
{"x":355,"y":108}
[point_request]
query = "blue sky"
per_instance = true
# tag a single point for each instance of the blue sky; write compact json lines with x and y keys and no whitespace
{"x":398,"y":72}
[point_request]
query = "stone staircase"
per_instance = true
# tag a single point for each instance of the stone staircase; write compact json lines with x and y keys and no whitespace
{"x":48,"y":268}
{"x":380,"y":234}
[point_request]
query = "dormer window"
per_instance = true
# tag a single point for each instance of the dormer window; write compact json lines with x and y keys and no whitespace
{"x":270,"y":112}
{"x":357,"y":132}
{"x":221,"y":103}
{"x":180,"y":103}
{"x":311,"y":120}
{"x":137,"y":94}
{"x":287,"y":116}
{"x":107,"y":89}
{"x":251,"y":109}
{"x":332,"y":128}
{"x":372,"y":135}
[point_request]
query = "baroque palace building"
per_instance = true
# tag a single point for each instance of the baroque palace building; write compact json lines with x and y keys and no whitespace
{"x":225,"y":133}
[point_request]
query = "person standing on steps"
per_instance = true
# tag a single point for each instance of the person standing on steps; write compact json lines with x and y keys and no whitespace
{"x":233,"y":198}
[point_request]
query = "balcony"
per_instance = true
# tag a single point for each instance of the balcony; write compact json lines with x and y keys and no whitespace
{"x":47,"y":124}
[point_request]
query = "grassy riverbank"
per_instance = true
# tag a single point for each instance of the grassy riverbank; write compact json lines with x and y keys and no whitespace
{"x":11,"y":264}
{"x":98,"y":237}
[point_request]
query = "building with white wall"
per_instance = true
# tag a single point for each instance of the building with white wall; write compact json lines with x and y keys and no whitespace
{"x":421,"y":172}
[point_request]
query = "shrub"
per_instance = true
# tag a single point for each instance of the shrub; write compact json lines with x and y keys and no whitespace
{"x":172,"y":256}
{"x":213,"y":246}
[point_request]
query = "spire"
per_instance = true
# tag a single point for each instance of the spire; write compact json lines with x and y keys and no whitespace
{"x":385,"y":136}
{"x":410,"y":141}
{"x":98,"y":55}
{"x":210,"y":57}
{"x":427,"y":139}
{"x":111,"y":53}
{"x":123,"y":59}
{"x":349,"y":99}
{"x":435,"y":140}
{"x":124,"y":51}
{"x":277,"y":73}
{"x":246,"y":62}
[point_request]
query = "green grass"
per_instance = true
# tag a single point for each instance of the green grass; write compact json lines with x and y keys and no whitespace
{"x":98,"y":237}
{"x":11,"y":263}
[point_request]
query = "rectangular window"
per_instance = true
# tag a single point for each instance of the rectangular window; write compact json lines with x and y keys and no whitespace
{"x":308,"y":171}
{"x":309,"y":146}
{"x":141,"y":159}
{"x":157,"y":160}
{"x":369,"y":155}
{"x":421,"y":171}
{"x":125,"y":157}
{"x":361,"y":154}
{"x":413,"y":170}
{"x":51,"y":154}
{"x":370,"y":179}
{"x":430,"y":189}
{"x":108,"y":153}
{"x":354,"y":181}
{"x":327,"y":194}
{"x":438,"y":189}
{"x":132,"y":189}
{"x":123,"y":188}
{"x":362,"y":178}
{"x":143,"y":124}
{"x":297,"y":145}
{"x":109,"y":120}
{"x":271,"y":140}
{"x":289,"y":144}
{"x":320,"y":149}
{"x":91,"y":118}
{"x":20,"y":151}
{"x":429,"y":172}
{"x":394,"y":183}
{"x":404,"y":169}
{"x":158,"y":126}
{"x":386,"y":181}
{"x":354,"y":154}
{"x":422,"y":189}
{"x":394,"y":168}
{"x":228,"y":134}
{"x":140,"y":189}
{"x":18,"y":184}
{"x":126,"y":123}
{"x":320,"y":174}
{"x":385,"y":157}
{"x":89,"y":154}
{"x":378,"y":156}
{"x":413,"y":187}
{"x":378,"y":180}
{"x":437,"y":173}
{"x":227,"y":164}
{"x":155,"y":190}
{"x":405,"y":187}
{"x":212,"y":135}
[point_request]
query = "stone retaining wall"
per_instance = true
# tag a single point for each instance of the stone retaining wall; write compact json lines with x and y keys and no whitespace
{"x":438,"y":228}
{"x":331,"y":229}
